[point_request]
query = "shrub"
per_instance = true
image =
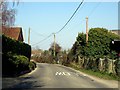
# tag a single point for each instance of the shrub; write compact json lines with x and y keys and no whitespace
{"x":14,"y":64}
{"x":98,"y":46}
{"x":21,"y":62}
{"x":32,"y":65}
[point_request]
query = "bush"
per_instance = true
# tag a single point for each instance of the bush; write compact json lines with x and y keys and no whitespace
{"x":32,"y":65}
{"x":14,"y":64}
{"x":21,"y":62}
{"x":15,"y":57}
{"x":98,"y":46}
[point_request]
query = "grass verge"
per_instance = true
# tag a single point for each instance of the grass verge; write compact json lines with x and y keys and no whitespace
{"x":99,"y":74}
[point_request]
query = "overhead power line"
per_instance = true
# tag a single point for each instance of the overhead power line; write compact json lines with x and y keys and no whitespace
{"x":94,"y":9}
{"x":63,"y":26}
{"x":89,"y":15}
{"x":43,"y":39}
{"x":38,"y":33}
{"x":70,"y":18}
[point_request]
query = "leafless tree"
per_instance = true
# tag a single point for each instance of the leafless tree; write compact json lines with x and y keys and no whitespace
{"x":7,"y":14}
{"x":57,"y":48}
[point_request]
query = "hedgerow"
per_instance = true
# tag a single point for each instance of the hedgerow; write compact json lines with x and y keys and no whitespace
{"x":16,"y":47}
{"x":15,"y":57}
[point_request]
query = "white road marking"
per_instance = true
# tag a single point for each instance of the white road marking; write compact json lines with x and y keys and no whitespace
{"x":68,"y":73}
{"x":63,"y":73}
{"x":84,"y":75}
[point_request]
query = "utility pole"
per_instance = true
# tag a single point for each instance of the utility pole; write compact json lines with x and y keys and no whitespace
{"x":86,"y":29}
{"x":24,"y":35}
{"x":29,"y":36}
{"x":54,"y":44}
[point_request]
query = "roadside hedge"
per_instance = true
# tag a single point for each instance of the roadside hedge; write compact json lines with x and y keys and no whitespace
{"x":98,"y":46}
{"x":15,"y":57}
{"x":16,"y":47}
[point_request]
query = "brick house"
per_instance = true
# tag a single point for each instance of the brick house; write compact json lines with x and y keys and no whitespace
{"x":13,"y":32}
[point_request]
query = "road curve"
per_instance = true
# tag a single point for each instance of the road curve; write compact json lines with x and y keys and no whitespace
{"x":56,"y":76}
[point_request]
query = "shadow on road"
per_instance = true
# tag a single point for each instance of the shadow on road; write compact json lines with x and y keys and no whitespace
{"x":20,"y":83}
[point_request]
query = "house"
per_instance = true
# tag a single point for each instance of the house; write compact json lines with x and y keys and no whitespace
{"x":36,"y":53}
{"x":13,"y":32}
{"x":115,"y":32}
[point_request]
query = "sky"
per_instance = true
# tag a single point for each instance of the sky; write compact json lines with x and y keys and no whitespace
{"x":44,"y":18}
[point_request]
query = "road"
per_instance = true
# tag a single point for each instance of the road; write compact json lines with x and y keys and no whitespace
{"x":56,"y":76}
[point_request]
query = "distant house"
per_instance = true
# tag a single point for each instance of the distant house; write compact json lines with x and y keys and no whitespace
{"x":36,"y":53}
{"x":13,"y":32}
{"x":116,"y":31}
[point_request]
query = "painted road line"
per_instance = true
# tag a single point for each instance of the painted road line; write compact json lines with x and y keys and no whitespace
{"x":62,"y":73}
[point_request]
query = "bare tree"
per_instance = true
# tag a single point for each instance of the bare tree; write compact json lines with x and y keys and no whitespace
{"x":57,"y":48}
{"x":7,"y":14}
{"x":55,"y":51}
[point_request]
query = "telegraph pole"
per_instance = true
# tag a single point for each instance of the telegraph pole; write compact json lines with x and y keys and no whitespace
{"x":25,"y":35}
{"x":29,"y":36}
{"x":86,"y":29}
{"x":54,"y":44}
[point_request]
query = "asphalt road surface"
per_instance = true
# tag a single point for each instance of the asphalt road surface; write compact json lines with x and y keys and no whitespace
{"x":56,"y":76}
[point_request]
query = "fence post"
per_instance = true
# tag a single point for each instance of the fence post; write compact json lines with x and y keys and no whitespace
{"x":101,"y":64}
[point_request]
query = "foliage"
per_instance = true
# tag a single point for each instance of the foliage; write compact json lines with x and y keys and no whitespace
{"x":15,"y":57}
{"x":16,"y":47}
{"x":32,"y":65}
{"x":14,"y":64}
{"x":42,"y":57}
{"x":47,"y":57}
{"x":55,"y":53}
{"x":15,"y":54}
{"x":57,"y":48}
{"x":99,"y":44}
{"x":63,"y":57}
{"x":19,"y":59}
{"x":102,"y":75}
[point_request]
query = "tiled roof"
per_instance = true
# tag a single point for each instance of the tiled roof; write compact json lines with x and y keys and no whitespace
{"x":13,"y":32}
